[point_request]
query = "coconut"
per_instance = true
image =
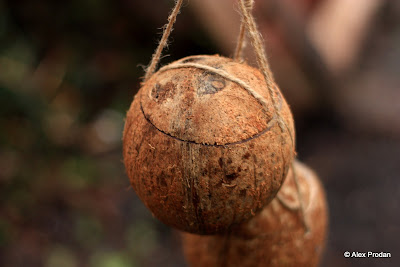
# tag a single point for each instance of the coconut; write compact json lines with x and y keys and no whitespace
{"x":277,"y":236}
{"x":201,"y":152}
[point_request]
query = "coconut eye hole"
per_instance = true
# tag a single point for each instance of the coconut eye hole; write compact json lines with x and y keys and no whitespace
{"x":210,"y":83}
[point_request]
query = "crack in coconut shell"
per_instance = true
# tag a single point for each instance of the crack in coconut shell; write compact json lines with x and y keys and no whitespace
{"x":188,"y":105}
{"x":269,"y":126}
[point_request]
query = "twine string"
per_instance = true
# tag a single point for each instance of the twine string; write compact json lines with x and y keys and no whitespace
{"x":248,"y":24}
{"x":300,"y":196}
{"x":257,"y":43}
{"x":241,"y":41}
{"x":261,"y":57}
{"x":256,"y":40}
{"x":163,"y":42}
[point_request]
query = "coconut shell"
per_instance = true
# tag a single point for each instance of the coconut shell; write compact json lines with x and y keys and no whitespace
{"x":200,"y":151}
{"x":275,"y":237}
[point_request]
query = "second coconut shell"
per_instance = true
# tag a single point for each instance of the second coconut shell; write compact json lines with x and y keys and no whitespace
{"x":275,"y":237}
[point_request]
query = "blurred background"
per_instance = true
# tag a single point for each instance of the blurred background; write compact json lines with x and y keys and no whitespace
{"x":69,"y":71}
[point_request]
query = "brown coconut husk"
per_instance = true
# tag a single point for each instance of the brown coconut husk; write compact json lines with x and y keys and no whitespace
{"x":276,"y":236}
{"x":201,"y":152}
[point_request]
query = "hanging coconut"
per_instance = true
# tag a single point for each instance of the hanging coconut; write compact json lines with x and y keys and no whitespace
{"x":277,"y":236}
{"x":202,"y":144}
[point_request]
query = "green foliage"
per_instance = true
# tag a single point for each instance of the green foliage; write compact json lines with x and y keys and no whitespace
{"x":111,"y":259}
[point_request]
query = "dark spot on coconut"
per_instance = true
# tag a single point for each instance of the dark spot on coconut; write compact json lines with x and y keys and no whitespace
{"x":229,"y":161}
{"x":161,"y":180}
{"x":232,"y":176}
{"x":195,"y":199}
{"x":239,"y":169}
{"x":246,"y":156}
{"x":221,"y":162}
{"x":242,"y":193}
{"x":137,"y":147}
{"x":155,"y":91}
{"x":161,"y":92}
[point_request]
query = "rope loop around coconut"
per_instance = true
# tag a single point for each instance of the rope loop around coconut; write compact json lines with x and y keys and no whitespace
{"x":248,"y":25}
{"x":221,"y":73}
